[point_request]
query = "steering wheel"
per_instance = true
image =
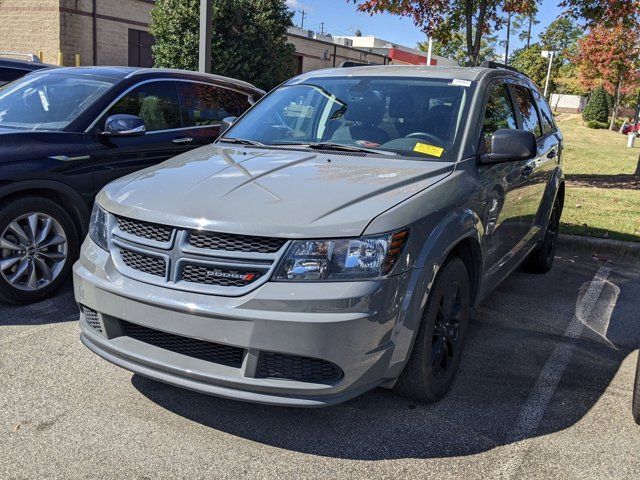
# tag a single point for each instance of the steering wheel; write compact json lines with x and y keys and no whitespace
{"x":426,"y":136}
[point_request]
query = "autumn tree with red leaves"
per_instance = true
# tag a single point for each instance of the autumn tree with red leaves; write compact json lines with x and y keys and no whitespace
{"x":610,"y":56}
{"x":441,"y":18}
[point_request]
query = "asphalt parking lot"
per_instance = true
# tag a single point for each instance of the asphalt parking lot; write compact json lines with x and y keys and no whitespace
{"x":544,"y":391}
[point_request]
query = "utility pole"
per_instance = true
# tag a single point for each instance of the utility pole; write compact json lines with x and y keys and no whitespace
{"x":204,"y":56}
{"x":506,"y":49}
{"x":548,"y":54}
{"x":302,"y":14}
{"x":321,"y":28}
{"x":429,"y":51}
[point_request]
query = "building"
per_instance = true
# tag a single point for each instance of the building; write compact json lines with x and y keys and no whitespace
{"x":397,"y":54}
{"x":101,"y":32}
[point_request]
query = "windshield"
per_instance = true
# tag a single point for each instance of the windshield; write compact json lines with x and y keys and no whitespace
{"x":411,"y":117}
{"x":48,"y":101}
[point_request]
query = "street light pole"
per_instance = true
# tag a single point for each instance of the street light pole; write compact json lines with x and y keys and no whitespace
{"x":204,"y":57}
{"x":548,"y":54}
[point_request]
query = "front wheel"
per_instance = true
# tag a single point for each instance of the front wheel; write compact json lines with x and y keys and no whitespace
{"x":437,"y":350}
{"x":635,"y":406}
{"x":38,"y":244}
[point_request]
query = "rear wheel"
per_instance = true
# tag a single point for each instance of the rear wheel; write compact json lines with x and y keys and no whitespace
{"x":38,"y":244}
{"x":437,"y":350}
{"x":541,"y":259}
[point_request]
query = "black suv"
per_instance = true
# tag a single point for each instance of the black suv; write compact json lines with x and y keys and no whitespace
{"x":66,"y":132}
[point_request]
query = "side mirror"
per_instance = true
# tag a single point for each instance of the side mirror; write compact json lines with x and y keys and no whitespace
{"x":226,"y":124}
{"x":124,"y":126}
{"x":508,"y":145}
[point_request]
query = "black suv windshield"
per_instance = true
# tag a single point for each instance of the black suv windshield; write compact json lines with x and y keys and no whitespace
{"x":410,"y":117}
{"x":48,"y":101}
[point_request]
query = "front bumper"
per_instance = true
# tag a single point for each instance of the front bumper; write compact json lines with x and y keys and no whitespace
{"x":350,"y":325}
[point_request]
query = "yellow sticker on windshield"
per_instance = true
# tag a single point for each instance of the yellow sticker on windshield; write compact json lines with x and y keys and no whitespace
{"x":428,"y":149}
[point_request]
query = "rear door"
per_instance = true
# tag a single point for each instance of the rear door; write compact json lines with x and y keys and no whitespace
{"x":503,"y":182}
{"x":156,"y":102}
{"x":204,"y":106}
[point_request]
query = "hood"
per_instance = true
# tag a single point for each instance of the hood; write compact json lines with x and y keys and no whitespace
{"x":270,"y":192}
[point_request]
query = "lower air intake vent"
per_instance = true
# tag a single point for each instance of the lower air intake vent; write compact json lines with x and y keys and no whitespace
{"x":92,"y":318}
{"x":191,"y":347}
{"x":291,"y":367}
{"x":144,"y":263}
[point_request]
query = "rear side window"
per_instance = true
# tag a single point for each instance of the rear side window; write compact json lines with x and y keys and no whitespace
{"x":498,"y":114}
{"x":204,"y":104}
{"x":548,"y":123}
{"x":528,"y":112}
{"x":155,"y":102}
{"x":10,"y":74}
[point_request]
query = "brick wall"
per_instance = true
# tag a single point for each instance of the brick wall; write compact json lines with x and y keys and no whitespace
{"x":51,"y":26}
{"x":30,"y":26}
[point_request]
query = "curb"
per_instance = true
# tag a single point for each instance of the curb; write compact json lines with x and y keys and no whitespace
{"x":600,"y":245}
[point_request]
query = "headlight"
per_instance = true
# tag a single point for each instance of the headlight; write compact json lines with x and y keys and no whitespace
{"x":99,"y":227}
{"x":362,"y":258}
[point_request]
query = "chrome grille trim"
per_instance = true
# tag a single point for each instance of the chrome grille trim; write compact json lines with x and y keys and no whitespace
{"x":179,"y":254}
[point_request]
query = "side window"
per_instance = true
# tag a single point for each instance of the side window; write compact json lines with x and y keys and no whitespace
{"x":530,"y":120}
{"x":155,"y":102}
{"x":498,"y":114}
{"x":204,"y":104}
{"x":548,"y":123}
{"x":10,"y":74}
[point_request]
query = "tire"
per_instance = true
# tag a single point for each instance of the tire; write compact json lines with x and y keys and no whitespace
{"x":35,"y":264}
{"x":540,"y":260}
{"x":430,"y":370}
{"x":635,"y":404}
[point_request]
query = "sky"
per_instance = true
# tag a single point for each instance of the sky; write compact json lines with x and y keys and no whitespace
{"x":340,"y":17}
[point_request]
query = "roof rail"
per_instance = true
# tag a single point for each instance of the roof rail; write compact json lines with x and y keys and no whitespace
{"x":31,"y":57}
{"x":491,"y":64}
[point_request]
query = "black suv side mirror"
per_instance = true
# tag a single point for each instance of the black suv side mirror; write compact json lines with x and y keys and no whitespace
{"x":508,"y":145}
{"x":124,"y":126}
{"x":226,"y":124}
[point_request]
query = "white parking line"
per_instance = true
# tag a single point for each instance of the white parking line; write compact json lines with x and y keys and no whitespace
{"x":550,"y":375}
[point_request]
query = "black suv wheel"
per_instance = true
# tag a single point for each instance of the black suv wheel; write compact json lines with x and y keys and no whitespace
{"x":541,"y":259}
{"x":38,"y":244}
{"x":437,"y":350}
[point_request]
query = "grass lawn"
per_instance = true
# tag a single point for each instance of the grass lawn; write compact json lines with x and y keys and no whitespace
{"x":596,"y":152}
{"x":592,"y":159}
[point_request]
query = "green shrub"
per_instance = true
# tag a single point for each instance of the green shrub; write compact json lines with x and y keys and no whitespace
{"x":597,"y":124}
{"x":597,"y":107}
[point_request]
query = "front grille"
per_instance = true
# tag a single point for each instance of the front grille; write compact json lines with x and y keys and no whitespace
{"x":292,"y":367}
{"x":144,"y":263}
{"x":235,"y":243}
{"x":92,"y":318}
{"x":150,"y":231}
{"x":191,"y":347}
{"x":217,"y":276}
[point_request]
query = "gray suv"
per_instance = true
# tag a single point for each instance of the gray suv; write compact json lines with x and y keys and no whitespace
{"x":337,"y":238}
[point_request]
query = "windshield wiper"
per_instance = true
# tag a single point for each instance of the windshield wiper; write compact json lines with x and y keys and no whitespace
{"x":347,"y":148}
{"x":241,"y":141}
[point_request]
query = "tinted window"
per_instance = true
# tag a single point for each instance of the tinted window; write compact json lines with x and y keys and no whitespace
{"x":10,"y":74}
{"x":548,"y":123}
{"x":530,"y":120}
{"x":204,"y":104}
{"x":498,"y":114}
{"x":155,"y":102}
{"x":413,"y":117}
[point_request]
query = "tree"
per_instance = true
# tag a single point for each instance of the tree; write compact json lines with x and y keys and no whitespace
{"x":596,"y":108}
{"x":609,"y":56}
{"x":561,"y":36}
{"x":455,"y":49}
{"x":523,"y":23}
{"x":438,"y":18}
{"x":248,"y":38}
{"x":530,"y":62}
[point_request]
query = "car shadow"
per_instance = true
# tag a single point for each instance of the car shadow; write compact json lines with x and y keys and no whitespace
{"x":513,"y":336}
{"x":59,"y":308}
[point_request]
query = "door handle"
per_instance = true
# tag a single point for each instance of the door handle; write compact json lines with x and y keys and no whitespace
{"x":528,"y":169}
{"x":552,"y":154}
{"x":182,"y":140}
